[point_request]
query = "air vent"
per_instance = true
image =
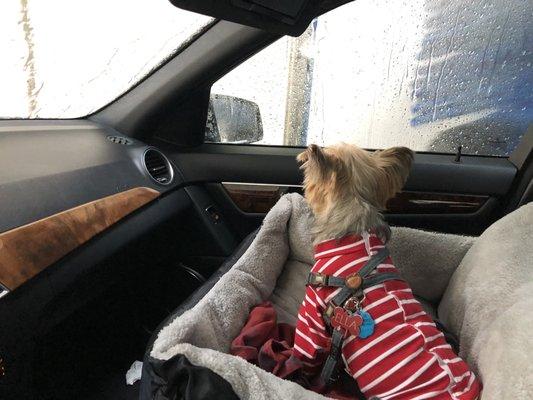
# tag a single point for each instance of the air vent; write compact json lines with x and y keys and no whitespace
{"x":119,"y":140}
{"x":158,"y":166}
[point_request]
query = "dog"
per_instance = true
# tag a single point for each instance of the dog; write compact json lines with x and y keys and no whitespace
{"x":402,"y":354}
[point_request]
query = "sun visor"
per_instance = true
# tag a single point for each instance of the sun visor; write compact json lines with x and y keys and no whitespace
{"x":282,"y":17}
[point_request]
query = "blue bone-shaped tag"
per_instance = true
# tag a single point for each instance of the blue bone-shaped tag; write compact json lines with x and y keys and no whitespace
{"x":367,"y":327}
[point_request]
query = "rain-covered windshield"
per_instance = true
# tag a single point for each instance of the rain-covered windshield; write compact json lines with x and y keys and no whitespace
{"x":66,"y":59}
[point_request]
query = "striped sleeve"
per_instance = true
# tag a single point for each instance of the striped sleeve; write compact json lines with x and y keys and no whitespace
{"x":311,"y":340}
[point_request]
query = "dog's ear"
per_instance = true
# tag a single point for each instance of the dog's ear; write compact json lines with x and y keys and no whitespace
{"x":302,"y":157}
{"x":314,"y":154}
{"x":394,"y":165}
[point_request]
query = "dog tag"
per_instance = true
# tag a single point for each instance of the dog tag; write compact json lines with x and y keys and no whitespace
{"x":349,"y":323}
{"x":367,"y":327}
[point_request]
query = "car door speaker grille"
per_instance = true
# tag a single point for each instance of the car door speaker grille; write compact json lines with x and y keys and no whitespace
{"x":158,"y":166}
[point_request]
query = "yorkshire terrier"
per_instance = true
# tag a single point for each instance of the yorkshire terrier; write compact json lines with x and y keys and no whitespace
{"x":356,"y":305}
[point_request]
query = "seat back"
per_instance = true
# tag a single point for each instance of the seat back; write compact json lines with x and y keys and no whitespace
{"x":489,"y":305}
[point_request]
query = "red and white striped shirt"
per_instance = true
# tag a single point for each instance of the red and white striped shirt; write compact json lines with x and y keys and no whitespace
{"x":406,"y":357}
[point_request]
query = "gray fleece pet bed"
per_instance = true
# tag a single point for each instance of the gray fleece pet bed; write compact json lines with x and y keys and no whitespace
{"x":484,"y":286}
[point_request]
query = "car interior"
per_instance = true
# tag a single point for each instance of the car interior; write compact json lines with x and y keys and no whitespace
{"x":110,"y":221}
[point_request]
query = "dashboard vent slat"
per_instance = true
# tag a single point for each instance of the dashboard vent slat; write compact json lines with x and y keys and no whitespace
{"x":120,"y":140}
{"x":158,"y":166}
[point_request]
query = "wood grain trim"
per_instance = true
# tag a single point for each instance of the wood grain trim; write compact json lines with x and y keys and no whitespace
{"x":260,"y":198}
{"x":27,"y":250}
{"x":254,"y":198}
{"x":434,"y":203}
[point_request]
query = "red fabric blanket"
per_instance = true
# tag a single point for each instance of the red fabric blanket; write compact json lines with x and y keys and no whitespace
{"x":268,"y":345}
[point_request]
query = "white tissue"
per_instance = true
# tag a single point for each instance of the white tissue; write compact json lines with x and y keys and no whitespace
{"x":134,"y":373}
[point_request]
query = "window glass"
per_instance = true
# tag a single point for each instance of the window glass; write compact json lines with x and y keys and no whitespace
{"x":431,"y":75}
{"x":65,"y":59}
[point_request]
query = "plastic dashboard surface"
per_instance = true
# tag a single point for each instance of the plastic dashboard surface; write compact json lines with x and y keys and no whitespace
{"x":47,"y":167}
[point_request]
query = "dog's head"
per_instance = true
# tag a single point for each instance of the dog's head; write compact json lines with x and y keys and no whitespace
{"x":341,"y":174}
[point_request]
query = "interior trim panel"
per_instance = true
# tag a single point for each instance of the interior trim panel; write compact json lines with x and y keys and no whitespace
{"x":260,"y":198}
{"x":47,"y":167}
{"x":59,"y":291}
{"x":61,"y":183}
{"x":435,"y":179}
{"x":27,"y":250}
{"x":434,"y":203}
{"x":266,"y":164}
{"x":256,"y":198}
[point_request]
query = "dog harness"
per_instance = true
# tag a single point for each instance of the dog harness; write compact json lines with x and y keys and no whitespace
{"x":343,"y":313}
{"x":358,"y":309}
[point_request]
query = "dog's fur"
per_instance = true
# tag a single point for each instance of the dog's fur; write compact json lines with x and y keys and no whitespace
{"x":348,"y":187}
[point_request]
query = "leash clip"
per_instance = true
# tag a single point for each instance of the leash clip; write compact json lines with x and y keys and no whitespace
{"x":353,"y":304}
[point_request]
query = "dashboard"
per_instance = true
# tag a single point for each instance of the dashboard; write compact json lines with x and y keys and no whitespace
{"x":64,"y":182}
{"x":83,"y":209}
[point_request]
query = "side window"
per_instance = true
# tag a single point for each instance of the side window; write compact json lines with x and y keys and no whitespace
{"x":428,"y":75}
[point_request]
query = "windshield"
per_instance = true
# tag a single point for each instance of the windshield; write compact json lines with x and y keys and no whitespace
{"x":66,"y":59}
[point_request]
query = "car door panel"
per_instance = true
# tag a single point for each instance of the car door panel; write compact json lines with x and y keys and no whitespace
{"x":277,"y":165}
{"x":440,"y":194}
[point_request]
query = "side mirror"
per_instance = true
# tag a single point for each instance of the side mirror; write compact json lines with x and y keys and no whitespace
{"x":233,"y":120}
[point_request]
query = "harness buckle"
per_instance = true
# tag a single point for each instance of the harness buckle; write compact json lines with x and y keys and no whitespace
{"x":320,"y":279}
{"x":330,"y":309}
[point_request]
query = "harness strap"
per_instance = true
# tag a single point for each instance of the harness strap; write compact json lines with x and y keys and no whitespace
{"x":374,"y":261}
{"x":380,"y":278}
{"x":333,"y":357}
{"x":352,"y":285}
{"x":318,"y":279}
{"x":344,"y":294}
